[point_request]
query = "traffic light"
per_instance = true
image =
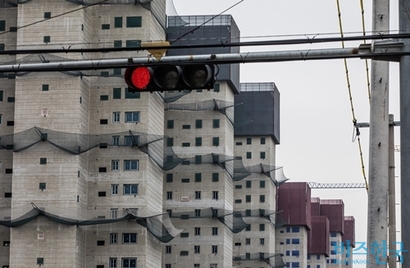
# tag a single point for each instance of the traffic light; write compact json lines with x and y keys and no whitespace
{"x":170,"y":77}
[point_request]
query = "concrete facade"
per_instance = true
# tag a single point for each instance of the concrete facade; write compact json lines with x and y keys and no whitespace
{"x":75,"y":158}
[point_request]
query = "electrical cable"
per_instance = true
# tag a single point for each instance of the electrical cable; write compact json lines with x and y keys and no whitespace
{"x":351,"y":96}
{"x":219,"y":44}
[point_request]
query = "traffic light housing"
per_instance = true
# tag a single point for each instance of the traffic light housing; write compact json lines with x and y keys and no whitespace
{"x":170,"y":77}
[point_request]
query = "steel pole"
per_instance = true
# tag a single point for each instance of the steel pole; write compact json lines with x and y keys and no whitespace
{"x":404,"y":26}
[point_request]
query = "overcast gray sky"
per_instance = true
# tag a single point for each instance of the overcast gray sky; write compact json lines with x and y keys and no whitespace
{"x":316,"y":119}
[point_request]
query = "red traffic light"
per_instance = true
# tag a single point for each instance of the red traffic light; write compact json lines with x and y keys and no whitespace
{"x":170,"y":77}
{"x":138,"y":78}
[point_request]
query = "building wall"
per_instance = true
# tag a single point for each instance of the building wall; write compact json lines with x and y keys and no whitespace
{"x":76,"y":104}
{"x":292,"y":241}
{"x":185,"y":188}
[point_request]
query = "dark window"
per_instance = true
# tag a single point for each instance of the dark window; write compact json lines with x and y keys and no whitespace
{"x":2,"y":47}
{"x":44,"y":87}
{"x":238,"y":186}
{"x":132,"y":117}
{"x":133,"y":43}
{"x":6,"y":243}
{"x":248,"y":184}
{"x":46,"y":39}
{"x":198,"y":159}
{"x":333,"y":234}
{"x":248,"y":227}
{"x":11,"y":99}
{"x":215,"y":141}
{"x":13,"y":29}
{"x":2,"y":25}
{"x":10,"y":123}
{"x":198,"y":141}
{"x":132,"y":95}
{"x":263,"y":155}
{"x":130,"y":189}
{"x":103,"y":97}
{"x":214,"y":230}
{"x":248,"y":198}
{"x":198,"y":177}
{"x":295,"y":229}
{"x":186,"y":126}
{"x":43,"y":161}
{"x":129,"y":238}
{"x":186,"y":162}
{"x":239,"y":143}
{"x":47,"y":15}
{"x":170,"y":124}
{"x":170,"y":177}
{"x":215,"y":195}
{"x":168,"y":249}
{"x":169,"y":195}
{"x":263,"y":140}
{"x":184,"y":253}
{"x":9,"y":171}
{"x":198,"y":123}
{"x":262,"y":198}
{"x":214,"y":249}
{"x":117,"y":71}
{"x":100,"y":243}
{"x":186,"y":144}
{"x":100,"y":266}
{"x":129,"y":262}
{"x":118,"y":22}
{"x":40,"y":261}
{"x":248,"y":155}
{"x":105,"y":73}
{"x":295,"y":241}
{"x":238,"y":201}
{"x":105,"y":26}
{"x":133,"y":22}
{"x":197,"y":213}
{"x":215,"y":177}
{"x":117,"y":43}
{"x":262,"y":184}
{"x":184,"y":234}
{"x":102,"y":194}
{"x":170,"y":142}
{"x":185,"y":180}
{"x":248,"y":140}
{"x":262,"y":227}
{"x":215,"y":123}
{"x":103,"y":121}
{"x":248,"y":213}
{"x":197,"y":195}
{"x":7,"y":195}
{"x":216,"y":88}
{"x":102,"y":169}
{"x":42,"y":186}
{"x":116,"y":93}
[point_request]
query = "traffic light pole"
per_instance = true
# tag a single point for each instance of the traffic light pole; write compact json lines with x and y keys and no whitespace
{"x":378,"y":50}
{"x":404,"y":26}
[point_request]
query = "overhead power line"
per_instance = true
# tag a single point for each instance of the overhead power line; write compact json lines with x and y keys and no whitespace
{"x":299,"y":41}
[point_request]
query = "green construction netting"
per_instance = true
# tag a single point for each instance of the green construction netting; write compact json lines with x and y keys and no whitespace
{"x":233,"y":220}
{"x":208,"y":105}
{"x":75,"y":143}
{"x":274,"y":260}
{"x":164,"y":157}
{"x":159,"y":225}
